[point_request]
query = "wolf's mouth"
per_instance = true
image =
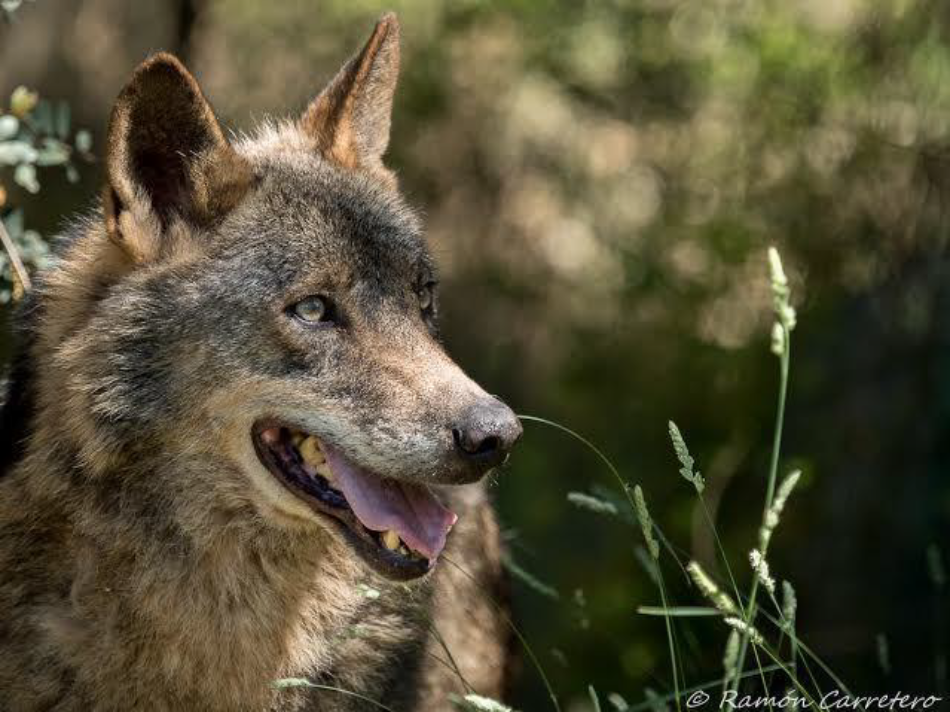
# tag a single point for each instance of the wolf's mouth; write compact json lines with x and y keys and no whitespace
{"x":398,"y":527}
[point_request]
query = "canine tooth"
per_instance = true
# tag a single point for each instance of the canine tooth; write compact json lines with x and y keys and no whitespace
{"x":324,"y":469}
{"x":310,"y":451}
{"x":391,"y":539}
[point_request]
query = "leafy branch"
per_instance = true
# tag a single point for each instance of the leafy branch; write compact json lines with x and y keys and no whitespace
{"x":34,"y":134}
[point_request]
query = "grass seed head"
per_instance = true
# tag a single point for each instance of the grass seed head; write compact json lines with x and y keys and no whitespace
{"x":710,"y":590}
{"x":646,"y":523}
{"x":789,"y":604}
{"x":742,"y":627}
{"x":591,"y":503}
{"x":778,"y":339}
{"x":761,"y":568}
{"x":686,"y":460}
{"x":774,"y":513}
{"x":784,"y":311}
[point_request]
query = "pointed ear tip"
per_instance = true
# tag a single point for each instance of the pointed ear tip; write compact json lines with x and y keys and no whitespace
{"x":158,"y":74}
{"x":161,"y":60}
{"x":161,"y":64}
{"x":388,"y":23}
{"x":388,"y":18}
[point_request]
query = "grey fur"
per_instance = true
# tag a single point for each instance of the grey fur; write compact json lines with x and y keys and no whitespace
{"x":149,"y":560}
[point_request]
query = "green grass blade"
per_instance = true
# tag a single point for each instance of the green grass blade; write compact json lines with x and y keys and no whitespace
{"x":678,"y":611}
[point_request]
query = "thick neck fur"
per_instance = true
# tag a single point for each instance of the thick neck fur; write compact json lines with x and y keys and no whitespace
{"x":171,"y":620}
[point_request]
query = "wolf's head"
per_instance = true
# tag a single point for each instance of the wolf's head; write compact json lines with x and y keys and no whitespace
{"x":268,"y":307}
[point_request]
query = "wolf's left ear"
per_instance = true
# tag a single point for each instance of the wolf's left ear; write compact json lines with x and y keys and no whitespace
{"x":349,"y":120}
{"x":167,"y":160}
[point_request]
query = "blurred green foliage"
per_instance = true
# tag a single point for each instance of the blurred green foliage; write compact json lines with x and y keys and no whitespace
{"x":601,"y":180}
{"x":34,"y":134}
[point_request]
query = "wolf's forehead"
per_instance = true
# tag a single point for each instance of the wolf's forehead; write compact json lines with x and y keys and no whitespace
{"x":322,"y":201}
{"x":321,"y":213}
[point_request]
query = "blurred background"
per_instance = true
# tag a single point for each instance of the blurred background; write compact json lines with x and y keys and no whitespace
{"x":601,"y":181}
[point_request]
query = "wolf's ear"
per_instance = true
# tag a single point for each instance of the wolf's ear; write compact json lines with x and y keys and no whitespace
{"x":350,"y":119}
{"x":167,"y":159}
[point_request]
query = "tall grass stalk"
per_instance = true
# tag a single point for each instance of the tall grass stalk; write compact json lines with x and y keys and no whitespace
{"x":740,"y":613}
{"x":782,"y":346}
{"x":750,"y":610}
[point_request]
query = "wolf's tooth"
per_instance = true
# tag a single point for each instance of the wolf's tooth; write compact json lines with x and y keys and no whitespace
{"x":390,"y":539}
{"x":310,"y":451}
{"x":324,"y":470}
{"x":297,"y":438}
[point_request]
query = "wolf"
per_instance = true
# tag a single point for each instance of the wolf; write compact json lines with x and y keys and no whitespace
{"x":239,"y":470}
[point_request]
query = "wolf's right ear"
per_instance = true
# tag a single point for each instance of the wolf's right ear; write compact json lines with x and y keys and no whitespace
{"x":168,"y":160}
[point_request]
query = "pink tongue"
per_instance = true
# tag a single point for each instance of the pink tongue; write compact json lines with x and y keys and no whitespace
{"x":411,"y":510}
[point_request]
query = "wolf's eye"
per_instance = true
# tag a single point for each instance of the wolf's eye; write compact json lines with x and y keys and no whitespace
{"x":312,"y":309}
{"x":426,"y":294}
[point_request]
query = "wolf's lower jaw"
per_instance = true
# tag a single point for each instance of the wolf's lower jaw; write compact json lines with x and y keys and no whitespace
{"x":299,"y":462}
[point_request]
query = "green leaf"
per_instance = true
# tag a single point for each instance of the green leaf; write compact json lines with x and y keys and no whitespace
{"x":25,"y":176}
{"x":52,"y":153}
{"x":83,"y":141}
{"x":591,"y":503}
{"x":9,"y":125}
{"x":14,"y":152}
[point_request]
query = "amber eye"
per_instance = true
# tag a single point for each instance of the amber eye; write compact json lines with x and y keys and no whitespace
{"x":426,"y":296}
{"x":312,"y":309}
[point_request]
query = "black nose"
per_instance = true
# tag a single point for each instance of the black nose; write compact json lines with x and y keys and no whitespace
{"x":486,"y":433}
